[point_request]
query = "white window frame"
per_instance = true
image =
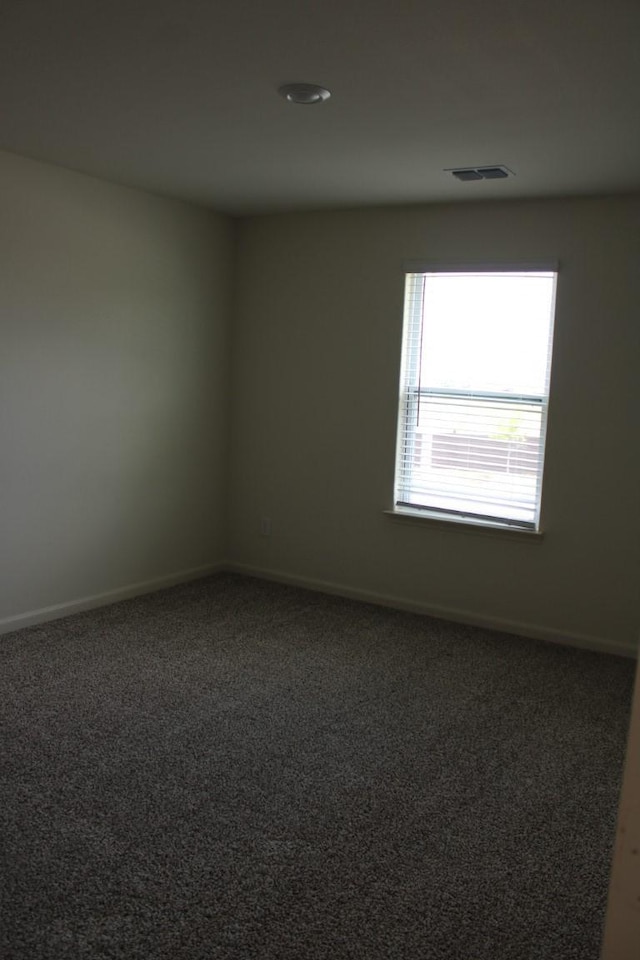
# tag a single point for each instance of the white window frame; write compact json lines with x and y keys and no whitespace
{"x":409,"y":397}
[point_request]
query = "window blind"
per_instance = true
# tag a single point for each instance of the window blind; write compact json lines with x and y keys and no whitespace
{"x":474,"y":390}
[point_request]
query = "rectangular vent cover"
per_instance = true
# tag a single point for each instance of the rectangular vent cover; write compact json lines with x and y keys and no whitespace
{"x":481,"y":173}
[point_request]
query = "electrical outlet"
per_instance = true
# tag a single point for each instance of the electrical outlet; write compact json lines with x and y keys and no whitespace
{"x":265,"y":527}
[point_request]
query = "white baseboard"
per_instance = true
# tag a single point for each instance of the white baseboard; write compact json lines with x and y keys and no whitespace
{"x":58,"y":610}
{"x":520,"y":628}
{"x":457,"y":615}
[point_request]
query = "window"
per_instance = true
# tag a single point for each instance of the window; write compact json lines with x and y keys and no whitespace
{"x":474,"y":391}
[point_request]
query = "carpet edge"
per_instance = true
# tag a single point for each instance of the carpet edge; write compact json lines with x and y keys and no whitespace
{"x":57,"y":611}
{"x":455,"y":614}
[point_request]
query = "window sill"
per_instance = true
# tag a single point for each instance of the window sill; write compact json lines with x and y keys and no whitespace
{"x":502,"y":531}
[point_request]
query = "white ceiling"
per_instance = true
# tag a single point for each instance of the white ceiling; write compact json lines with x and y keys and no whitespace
{"x":180,"y":97}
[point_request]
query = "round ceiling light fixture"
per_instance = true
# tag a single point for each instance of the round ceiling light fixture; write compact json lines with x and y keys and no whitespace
{"x":304,"y":93}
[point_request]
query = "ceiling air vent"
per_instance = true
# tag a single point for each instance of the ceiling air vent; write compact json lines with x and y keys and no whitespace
{"x":467,"y":174}
{"x":481,"y":173}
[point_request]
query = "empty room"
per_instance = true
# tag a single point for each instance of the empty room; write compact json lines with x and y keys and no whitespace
{"x":319,"y":513}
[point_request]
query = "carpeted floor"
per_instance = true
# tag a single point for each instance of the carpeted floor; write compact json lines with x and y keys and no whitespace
{"x":234,"y":769}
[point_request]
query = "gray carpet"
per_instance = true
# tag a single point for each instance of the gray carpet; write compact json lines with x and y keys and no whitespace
{"x":233,"y":769}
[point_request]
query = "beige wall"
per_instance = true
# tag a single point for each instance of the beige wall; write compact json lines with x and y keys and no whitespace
{"x":315,"y":369}
{"x":114,"y":383}
{"x":113,"y":387}
{"x":622,"y":932}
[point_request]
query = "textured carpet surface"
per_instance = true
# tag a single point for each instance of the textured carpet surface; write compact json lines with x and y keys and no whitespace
{"x":234,"y":769}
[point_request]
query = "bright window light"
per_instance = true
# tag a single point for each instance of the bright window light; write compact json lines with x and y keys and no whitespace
{"x":474,"y":392}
